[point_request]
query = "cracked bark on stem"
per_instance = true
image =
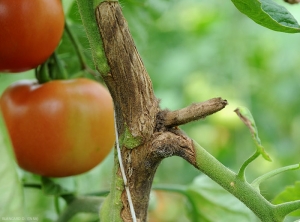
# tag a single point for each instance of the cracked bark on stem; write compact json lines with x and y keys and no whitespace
{"x":194,"y":112}
{"x":128,"y":80}
{"x":136,"y":109}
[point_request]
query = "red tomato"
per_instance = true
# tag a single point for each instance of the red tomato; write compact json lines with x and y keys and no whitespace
{"x":30,"y":32}
{"x":60,"y":128}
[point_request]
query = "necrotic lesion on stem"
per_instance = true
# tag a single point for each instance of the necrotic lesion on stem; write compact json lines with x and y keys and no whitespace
{"x":128,"y":80}
{"x":194,"y":112}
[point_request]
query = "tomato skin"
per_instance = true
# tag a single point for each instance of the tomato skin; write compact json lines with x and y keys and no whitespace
{"x":30,"y":32}
{"x":60,"y":128}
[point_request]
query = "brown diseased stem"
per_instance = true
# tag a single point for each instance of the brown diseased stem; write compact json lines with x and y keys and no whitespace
{"x":138,"y":112}
{"x":194,"y":112}
{"x":128,"y":81}
{"x":135,"y":104}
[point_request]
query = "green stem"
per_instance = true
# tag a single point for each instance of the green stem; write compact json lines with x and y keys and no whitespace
{"x":286,"y":208}
{"x":268,"y":175}
{"x":42,"y":73}
{"x":56,"y":204}
{"x":181,"y":190}
{"x":61,"y":72}
{"x":32,"y":185}
{"x":81,"y":205}
{"x":68,"y":198}
{"x":112,"y":206}
{"x":87,"y":12}
{"x":240,"y":188}
{"x":242,"y":170}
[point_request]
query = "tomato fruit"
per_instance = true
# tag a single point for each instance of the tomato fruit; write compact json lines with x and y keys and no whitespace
{"x":60,"y":128}
{"x":30,"y":32}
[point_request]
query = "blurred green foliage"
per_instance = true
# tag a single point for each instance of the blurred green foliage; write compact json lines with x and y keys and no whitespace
{"x":195,"y":50}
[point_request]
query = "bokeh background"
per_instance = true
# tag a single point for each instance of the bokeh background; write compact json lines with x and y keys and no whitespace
{"x":195,"y":50}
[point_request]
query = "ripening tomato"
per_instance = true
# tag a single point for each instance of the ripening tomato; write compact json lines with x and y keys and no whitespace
{"x":60,"y":128}
{"x":30,"y":32}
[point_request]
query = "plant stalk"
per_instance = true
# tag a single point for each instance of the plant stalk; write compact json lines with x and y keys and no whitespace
{"x":240,"y":188}
{"x":241,"y":173}
{"x":87,"y":12}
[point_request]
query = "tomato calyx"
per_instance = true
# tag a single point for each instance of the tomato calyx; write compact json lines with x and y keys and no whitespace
{"x":52,"y":69}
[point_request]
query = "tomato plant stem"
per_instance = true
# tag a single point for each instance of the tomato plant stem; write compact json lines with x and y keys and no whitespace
{"x":32,"y":185}
{"x":61,"y":72}
{"x":237,"y":186}
{"x":42,"y":73}
{"x":79,"y":205}
{"x":286,"y":208}
{"x":241,"y":173}
{"x":56,"y":204}
{"x":87,"y":12}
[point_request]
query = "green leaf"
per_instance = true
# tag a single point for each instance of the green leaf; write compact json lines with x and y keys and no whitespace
{"x":11,"y":196}
{"x":216,"y":204}
{"x":268,"y":14}
{"x":246,"y":116}
{"x":290,"y":193}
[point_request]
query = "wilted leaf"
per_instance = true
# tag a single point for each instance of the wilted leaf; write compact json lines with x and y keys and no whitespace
{"x":246,"y":116}
{"x":268,"y":14}
{"x":216,"y":204}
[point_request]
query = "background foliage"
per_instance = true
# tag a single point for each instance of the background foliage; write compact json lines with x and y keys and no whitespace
{"x":195,"y":50}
